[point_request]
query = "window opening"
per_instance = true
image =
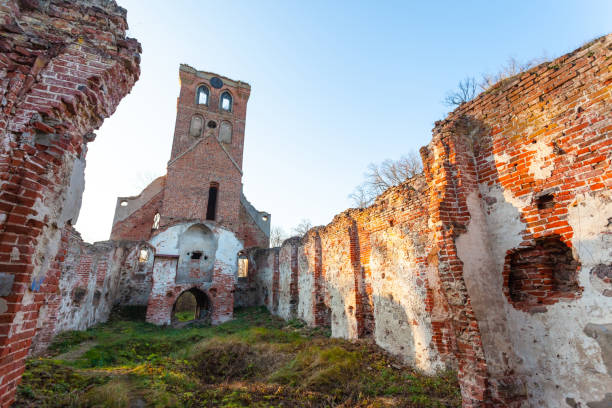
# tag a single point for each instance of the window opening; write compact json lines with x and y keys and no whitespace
{"x":212,"y":201}
{"x":143,"y":256}
{"x":226,"y":101}
{"x":243,"y":267}
{"x":196,"y":255}
{"x":202,"y":95}
{"x":211,"y":124}
{"x":156,"y":221}
{"x":124,"y":203}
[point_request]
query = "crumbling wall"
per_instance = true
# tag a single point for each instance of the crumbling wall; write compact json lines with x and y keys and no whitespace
{"x":64,"y":67}
{"x":539,"y":203}
{"x":134,"y":216}
{"x":168,"y":286}
{"x":366,"y":275}
{"x":495,"y":261}
{"x":89,"y":286}
{"x":254,"y":226}
{"x":288,"y":279}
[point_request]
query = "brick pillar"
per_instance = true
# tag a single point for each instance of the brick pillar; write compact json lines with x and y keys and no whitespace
{"x":322,"y":314}
{"x":293,"y":286}
{"x":275,"y":280}
{"x":449,"y":216}
{"x":364,"y":311}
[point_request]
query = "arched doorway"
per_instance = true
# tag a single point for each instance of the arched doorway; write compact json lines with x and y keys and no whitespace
{"x":191,"y":306}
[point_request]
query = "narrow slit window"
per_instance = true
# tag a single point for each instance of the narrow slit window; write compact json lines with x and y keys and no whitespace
{"x":202,"y":95}
{"x":226,"y":101}
{"x":212,"y":201}
{"x":156,"y":219}
{"x":243,"y":267}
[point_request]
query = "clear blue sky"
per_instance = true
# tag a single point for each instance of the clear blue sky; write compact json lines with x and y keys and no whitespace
{"x":335,"y":86}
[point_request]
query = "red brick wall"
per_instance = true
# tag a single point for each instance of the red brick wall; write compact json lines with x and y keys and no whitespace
{"x":88,"y":286}
{"x":447,"y":240}
{"x":61,"y":72}
{"x":188,"y":182}
{"x":198,"y":161}
{"x":138,"y":225}
{"x":249,"y":231}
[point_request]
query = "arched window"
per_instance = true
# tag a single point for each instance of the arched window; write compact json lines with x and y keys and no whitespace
{"x":202,"y":95}
{"x":156,"y":219}
{"x":226,"y":101}
{"x":196,"y":125}
{"x":225,"y":132}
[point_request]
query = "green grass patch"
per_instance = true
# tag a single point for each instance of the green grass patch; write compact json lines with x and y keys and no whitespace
{"x":255,"y":360}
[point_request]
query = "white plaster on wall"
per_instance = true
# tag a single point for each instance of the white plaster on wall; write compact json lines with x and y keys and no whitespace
{"x":539,"y":167}
{"x":403,"y":326}
{"x":555,"y":358}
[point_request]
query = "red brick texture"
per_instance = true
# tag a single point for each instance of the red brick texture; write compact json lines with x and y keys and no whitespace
{"x":543,"y":139}
{"x":89,"y":284}
{"x":138,"y":225}
{"x":64,"y":67}
{"x":165,"y":292}
{"x":249,"y":232}
{"x":198,"y":161}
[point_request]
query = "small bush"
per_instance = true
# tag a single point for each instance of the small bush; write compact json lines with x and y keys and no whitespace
{"x":68,"y":339}
{"x":115,"y":394}
{"x":220,"y":360}
{"x":325,"y":370}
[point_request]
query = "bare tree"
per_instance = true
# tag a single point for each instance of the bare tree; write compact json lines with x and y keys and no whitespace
{"x":303,"y":227}
{"x":361,"y":196}
{"x":277,"y":236}
{"x":379,"y":177}
{"x":511,"y":68}
{"x":465,"y":92}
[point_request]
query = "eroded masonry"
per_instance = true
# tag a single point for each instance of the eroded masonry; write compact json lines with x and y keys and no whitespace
{"x":496,"y":261}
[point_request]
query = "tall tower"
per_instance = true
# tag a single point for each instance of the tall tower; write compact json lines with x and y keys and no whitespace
{"x":204,"y":179}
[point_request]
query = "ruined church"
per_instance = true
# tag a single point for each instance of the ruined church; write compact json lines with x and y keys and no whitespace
{"x":496,"y":261}
{"x":194,"y":221}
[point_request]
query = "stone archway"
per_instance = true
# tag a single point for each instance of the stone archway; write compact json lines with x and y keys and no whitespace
{"x":192,"y":305}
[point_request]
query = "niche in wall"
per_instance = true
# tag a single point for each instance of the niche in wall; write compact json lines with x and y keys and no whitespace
{"x":197,"y":248}
{"x":541,"y":274}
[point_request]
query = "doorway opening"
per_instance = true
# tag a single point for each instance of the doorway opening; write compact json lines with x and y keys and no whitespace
{"x":191,"y":306}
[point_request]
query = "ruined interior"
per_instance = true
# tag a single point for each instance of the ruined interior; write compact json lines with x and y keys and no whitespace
{"x":495,"y":261}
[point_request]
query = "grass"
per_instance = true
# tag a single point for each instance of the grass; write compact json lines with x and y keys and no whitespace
{"x":255,"y":360}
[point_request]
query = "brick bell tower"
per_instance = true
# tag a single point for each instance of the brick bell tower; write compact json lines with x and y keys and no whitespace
{"x":204,"y":174}
{"x":204,"y":179}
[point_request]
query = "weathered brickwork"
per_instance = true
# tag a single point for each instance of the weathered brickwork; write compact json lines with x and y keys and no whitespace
{"x":64,"y":67}
{"x":216,"y":293}
{"x":196,"y":217}
{"x":134,"y":216}
{"x":206,"y":155}
{"x":91,"y":282}
{"x":495,"y":261}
